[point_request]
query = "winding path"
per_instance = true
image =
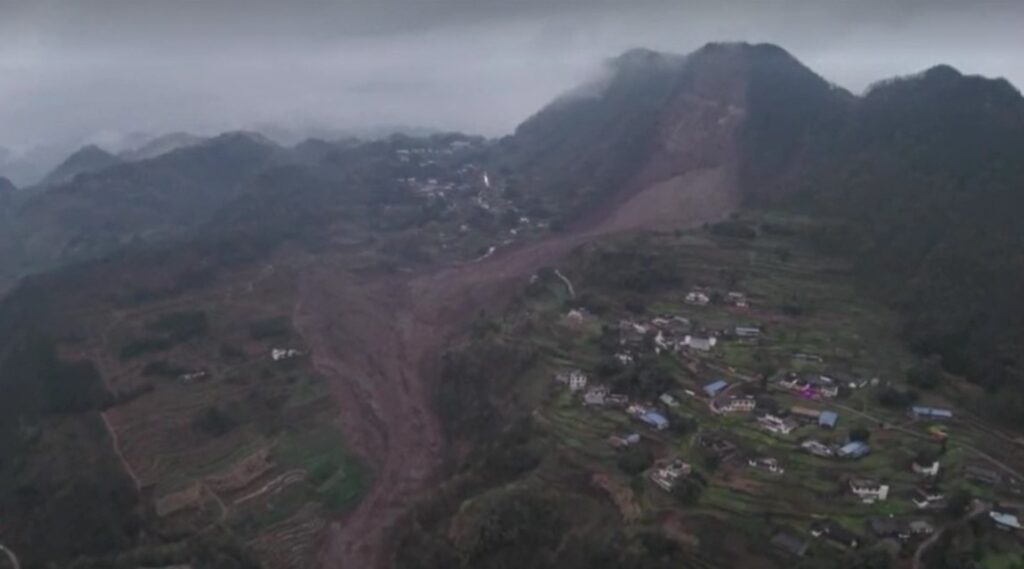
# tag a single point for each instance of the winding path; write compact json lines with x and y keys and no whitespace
{"x":568,"y":283}
{"x":11,"y":556}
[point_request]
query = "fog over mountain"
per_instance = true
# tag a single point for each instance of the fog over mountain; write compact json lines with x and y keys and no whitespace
{"x":688,"y":303}
{"x":75,"y":73}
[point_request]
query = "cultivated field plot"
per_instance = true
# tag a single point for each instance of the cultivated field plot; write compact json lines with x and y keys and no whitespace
{"x":219,"y":419}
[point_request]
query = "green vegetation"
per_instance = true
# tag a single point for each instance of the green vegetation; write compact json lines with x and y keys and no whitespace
{"x":335,"y":478}
{"x":838,"y":330}
{"x":933,"y":232}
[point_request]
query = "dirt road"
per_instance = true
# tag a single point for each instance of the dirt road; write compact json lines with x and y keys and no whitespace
{"x":378,"y":338}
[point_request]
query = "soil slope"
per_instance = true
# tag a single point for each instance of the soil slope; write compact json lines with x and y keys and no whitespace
{"x":378,"y":339}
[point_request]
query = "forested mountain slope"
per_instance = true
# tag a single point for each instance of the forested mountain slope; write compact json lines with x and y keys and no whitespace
{"x":95,"y":213}
{"x":926,"y":174}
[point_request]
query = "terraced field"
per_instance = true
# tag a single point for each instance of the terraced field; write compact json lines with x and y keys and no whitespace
{"x":221,"y":439}
{"x":834,"y":321}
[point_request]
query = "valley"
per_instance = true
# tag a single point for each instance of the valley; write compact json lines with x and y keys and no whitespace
{"x":700,"y":318}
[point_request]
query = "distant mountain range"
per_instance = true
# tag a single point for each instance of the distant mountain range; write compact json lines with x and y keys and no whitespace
{"x":88,"y":159}
{"x":924,"y":173}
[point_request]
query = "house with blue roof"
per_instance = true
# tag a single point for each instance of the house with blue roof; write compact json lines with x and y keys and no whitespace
{"x":828,"y":419}
{"x":715,"y":387}
{"x":855,"y":449}
{"x":655,"y":420}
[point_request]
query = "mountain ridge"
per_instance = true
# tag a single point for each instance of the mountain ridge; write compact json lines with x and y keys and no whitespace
{"x":378,"y":253}
{"x":89,"y":158}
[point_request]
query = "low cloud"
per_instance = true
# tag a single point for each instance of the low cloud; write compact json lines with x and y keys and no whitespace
{"x":72,"y":70}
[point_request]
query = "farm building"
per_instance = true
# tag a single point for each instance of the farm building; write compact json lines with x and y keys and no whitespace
{"x":776,"y":425}
{"x":1006,"y":521}
{"x":828,"y":419}
{"x":715,"y":387}
{"x":766,"y":463}
{"x":665,"y":477}
{"x":855,"y":449}
{"x":747,"y":331}
{"x":805,"y":413}
{"x":928,"y":468}
{"x":737,"y":299}
{"x":577,"y":380}
{"x":922,"y":412}
{"x":817,"y":448}
{"x":655,"y":420}
{"x":697,"y":298}
{"x":281,"y":354}
{"x":928,"y":498}
{"x":869,"y":491}
{"x":738,"y":405}
{"x":595,"y":396}
{"x":700,"y":343}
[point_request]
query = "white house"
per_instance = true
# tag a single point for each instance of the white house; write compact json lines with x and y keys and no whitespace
{"x":595,"y":396}
{"x":577,"y":381}
{"x":700,"y":343}
{"x":747,"y":331}
{"x":766,"y":463}
{"x":624,"y":358}
{"x":697,"y":298}
{"x":661,"y":343}
{"x":737,"y":299}
{"x":928,"y":469}
{"x":738,"y":405}
{"x":817,"y":448}
{"x":665,"y":477}
{"x":1006,"y":521}
{"x":869,"y":491}
{"x":775,"y":425}
{"x":925,"y":498}
{"x":280,"y":354}
{"x":668,"y":400}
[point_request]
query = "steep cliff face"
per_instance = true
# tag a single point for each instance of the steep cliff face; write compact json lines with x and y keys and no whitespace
{"x":660,"y":135}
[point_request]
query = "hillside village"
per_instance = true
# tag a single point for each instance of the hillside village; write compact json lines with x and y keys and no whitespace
{"x":475,"y":210}
{"x":728,"y":413}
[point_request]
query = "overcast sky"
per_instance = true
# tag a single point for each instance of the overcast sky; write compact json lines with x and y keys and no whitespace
{"x":95,"y":69}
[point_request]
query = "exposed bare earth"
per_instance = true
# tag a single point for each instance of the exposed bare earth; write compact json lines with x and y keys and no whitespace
{"x":378,"y":340}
